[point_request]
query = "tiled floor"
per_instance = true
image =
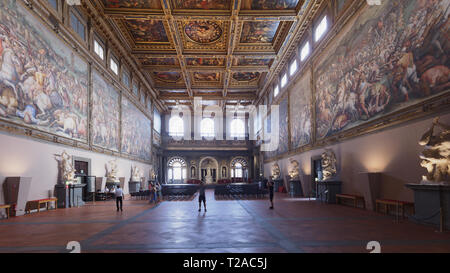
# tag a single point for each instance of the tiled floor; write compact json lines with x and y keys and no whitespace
{"x":228,"y":226}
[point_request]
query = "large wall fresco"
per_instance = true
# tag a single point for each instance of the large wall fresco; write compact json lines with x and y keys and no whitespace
{"x":390,"y":57}
{"x":43,"y":84}
{"x":283,"y":145}
{"x":105,"y":113}
{"x":136,"y":131}
{"x":300,"y":111}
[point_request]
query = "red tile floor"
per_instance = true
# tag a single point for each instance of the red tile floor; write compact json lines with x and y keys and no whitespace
{"x":295,"y":225}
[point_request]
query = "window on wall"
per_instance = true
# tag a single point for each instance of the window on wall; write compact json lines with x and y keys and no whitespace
{"x":99,"y":50}
{"x":77,"y":24}
{"x":321,"y":29}
{"x":237,"y":170}
{"x":237,"y":128}
{"x":114,"y":66}
{"x":176,"y":126}
{"x":276,"y":90}
{"x":293,"y":68}
{"x":53,"y":3}
{"x":176,"y":169}
{"x":157,"y":121}
{"x":207,"y":127}
{"x":284,"y":80}
{"x":238,"y":166}
{"x":304,"y":53}
{"x":126,"y":78}
{"x":136,"y":89}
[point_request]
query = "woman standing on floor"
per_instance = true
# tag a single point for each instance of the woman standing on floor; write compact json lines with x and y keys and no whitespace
{"x":270,"y":187}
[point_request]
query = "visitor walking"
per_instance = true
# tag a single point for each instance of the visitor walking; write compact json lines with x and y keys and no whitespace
{"x":201,"y":196}
{"x":270,"y":187}
{"x":119,"y":198}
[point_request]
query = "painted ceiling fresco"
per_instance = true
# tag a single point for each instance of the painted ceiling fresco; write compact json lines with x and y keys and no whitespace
{"x":259,"y":32}
{"x":202,"y":44}
{"x":203,"y":32}
{"x":144,"y":30}
{"x":268,"y":4}
{"x":203,"y":4}
{"x":133,"y":4}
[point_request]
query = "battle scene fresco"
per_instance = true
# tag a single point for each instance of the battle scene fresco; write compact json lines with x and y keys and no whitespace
{"x":300,"y":111}
{"x":283,"y":145}
{"x":390,"y":57}
{"x":259,"y":32}
{"x":43,"y":83}
{"x":207,"y":76}
{"x":170,"y":77}
{"x":203,"y":32}
{"x":144,"y":30}
{"x":268,"y":4}
{"x":105,"y":113}
{"x":136,"y":131}
{"x":205,"y":61}
{"x":203,"y":4}
{"x":133,"y":4}
{"x":246,"y":76}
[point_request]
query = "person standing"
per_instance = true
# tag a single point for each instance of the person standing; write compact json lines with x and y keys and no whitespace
{"x":201,"y":196}
{"x":270,"y":187}
{"x":119,"y":198}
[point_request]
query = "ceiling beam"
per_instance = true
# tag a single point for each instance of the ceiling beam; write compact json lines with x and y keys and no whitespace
{"x":235,"y":30}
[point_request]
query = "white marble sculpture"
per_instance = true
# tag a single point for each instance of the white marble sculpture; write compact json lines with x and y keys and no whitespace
{"x":135,"y":174}
{"x":208,"y":177}
{"x":294,"y":169}
{"x":66,"y":168}
{"x":436,"y":156}
{"x":329,"y":168}
{"x":112,"y":171}
{"x":275,"y":172}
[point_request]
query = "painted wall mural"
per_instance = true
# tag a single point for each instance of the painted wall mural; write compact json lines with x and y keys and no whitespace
{"x":300,"y":111}
{"x":268,"y":4}
{"x":203,"y":4}
{"x":259,"y":32}
{"x":203,"y":32}
{"x":136,"y":4}
{"x":43,"y":83}
{"x":391,"y":56}
{"x":283,"y":146}
{"x":144,"y":30}
{"x":105,"y":113}
{"x":136,"y":131}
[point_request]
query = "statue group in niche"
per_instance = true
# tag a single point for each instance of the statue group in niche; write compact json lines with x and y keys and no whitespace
{"x":329,"y":169}
{"x":436,"y":156}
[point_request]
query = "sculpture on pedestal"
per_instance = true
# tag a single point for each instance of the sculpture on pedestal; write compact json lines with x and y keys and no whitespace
{"x":135,"y":174}
{"x":66,"y":168}
{"x":152,"y":174}
{"x":208,"y":177}
{"x":436,"y":156}
{"x":112,"y":171}
{"x":329,"y":169}
{"x":275,"y":173}
{"x":294,"y":169}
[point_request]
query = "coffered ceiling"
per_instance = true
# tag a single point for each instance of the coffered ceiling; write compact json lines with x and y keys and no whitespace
{"x":221,"y":50}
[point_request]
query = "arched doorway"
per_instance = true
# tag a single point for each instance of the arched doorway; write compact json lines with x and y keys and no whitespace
{"x":239,"y":168}
{"x":209,"y":169}
{"x":176,"y":170}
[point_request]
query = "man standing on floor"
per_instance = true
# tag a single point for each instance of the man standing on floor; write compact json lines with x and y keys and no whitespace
{"x":201,"y":196}
{"x":270,"y":187}
{"x":119,"y":198}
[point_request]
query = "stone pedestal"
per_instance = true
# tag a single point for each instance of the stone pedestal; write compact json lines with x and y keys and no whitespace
{"x":134,"y":186}
{"x":69,"y":196}
{"x":428,"y":200}
{"x":295,"y":188}
{"x":327,"y":190}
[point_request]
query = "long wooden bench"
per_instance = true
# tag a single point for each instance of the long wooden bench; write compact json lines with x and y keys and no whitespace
{"x":399,"y":205}
{"x":353,"y":197}
{"x":6,"y":207}
{"x":36,"y":204}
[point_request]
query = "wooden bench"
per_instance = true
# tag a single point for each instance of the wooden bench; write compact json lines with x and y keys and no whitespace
{"x":353,"y":197}
{"x":36,"y":204}
{"x":6,"y":207}
{"x":397,"y":203}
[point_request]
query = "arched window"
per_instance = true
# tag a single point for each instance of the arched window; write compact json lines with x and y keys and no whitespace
{"x":176,"y":170}
{"x":237,"y":170}
{"x":237,"y":128}
{"x":207,"y":127}
{"x":238,"y":167}
{"x":176,"y":126}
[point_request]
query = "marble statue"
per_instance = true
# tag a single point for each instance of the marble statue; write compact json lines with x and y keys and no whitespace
{"x":436,"y":156}
{"x":112,"y":171}
{"x":152,"y":174}
{"x":329,"y":169}
{"x":294,"y":169}
{"x":135,"y":174}
{"x":66,"y":167}
{"x":275,"y":171}
{"x":208,"y":177}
